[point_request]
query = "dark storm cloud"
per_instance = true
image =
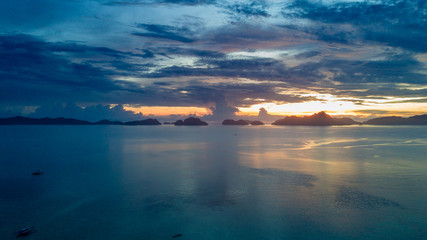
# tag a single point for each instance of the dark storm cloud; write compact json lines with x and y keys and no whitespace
{"x":245,"y":94}
{"x":38,"y":71}
{"x":35,"y":72}
{"x":401,"y":68}
{"x":147,"y":53}
{"x":338,"y":33}
{"x":251,"y":9}
{"x":366,"y":78}
{"x":247,"y":36}
{"x":394,"y":22}
{"x":236,"y":10}
{"x":380,"y":91}
{"x":24,"y":58}
{"x":253,"y":68}
{"x":308,"y":54}
{"x":392,"y":66}
{"x":165,"y":32}
{"x":33,"y":44}
{"x":347,"y":75}
{"x":398,"y":68}
{"x":155,"y":2}
{"x":89,"y":113}
{"x":166,"y":51}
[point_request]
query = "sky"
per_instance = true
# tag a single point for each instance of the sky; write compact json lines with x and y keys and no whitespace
{"x":217,"y":59}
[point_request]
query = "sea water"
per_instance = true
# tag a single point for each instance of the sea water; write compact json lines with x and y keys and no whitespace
{"x":214,"y":182}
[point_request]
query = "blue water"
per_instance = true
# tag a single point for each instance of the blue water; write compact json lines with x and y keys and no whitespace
{"x":214,"y":182}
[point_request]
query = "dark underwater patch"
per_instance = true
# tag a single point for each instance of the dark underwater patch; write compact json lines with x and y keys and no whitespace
{"x":353,"y":198}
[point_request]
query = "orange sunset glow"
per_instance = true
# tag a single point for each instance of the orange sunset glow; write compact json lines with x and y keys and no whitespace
{"x":168,"y":110}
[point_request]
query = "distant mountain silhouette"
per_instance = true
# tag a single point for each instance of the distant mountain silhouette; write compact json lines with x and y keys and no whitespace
{"x":69,"y":121}
{"x":191,"y":121}
{"x":149,"y":121}
{"x":241,"y":122}
{"x":257,"y":123}
{"x":415,"y":120}
{"x":317,"y":119}
{"x":42,"y":121}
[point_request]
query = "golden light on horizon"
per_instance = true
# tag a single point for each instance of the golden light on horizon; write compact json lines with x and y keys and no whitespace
{"x":333,"y":105}
{"x":357,"y":107}
{"x":303,"y":108}
{"x":168,"y":110}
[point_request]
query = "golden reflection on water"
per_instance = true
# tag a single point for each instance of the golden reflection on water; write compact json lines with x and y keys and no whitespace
{"x":327,"y":157}
{"x":312,"y":157}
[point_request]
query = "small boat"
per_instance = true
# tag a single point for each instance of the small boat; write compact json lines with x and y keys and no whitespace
{"x":38,"y":172}
{"x":25,"y":232}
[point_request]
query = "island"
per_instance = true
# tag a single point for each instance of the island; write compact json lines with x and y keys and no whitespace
{"x":414,"y":120}
{"x":241,"y":122}
{"x":70,"y":121}
{"x":149,"y":121}
{"x":191,"y":121}
{"x":257,"y":123}
{"x":42,"y":121}
{"x":317,"y":119}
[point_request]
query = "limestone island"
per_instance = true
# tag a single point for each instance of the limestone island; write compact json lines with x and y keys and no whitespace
{"x":317,"y":119}
{"x":42,"y":121}
{"x":257,"y":123}
{"x":414,"y":120}
{"x":241,"y":122}
{"x":70,"y":121}
{"x":149,"y":121}
{"x":191,"y":121}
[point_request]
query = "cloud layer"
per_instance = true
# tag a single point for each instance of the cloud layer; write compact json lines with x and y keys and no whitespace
{"x":221,"y":55}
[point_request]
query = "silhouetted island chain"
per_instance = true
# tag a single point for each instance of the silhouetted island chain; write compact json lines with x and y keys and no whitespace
{"x":71,"y":121}
{"x":191,"y":121}
{"x":415,"y":120}
{"x":241,"y":122}
{"x":144,"y":122}
{"x":317,"y":119}
{"x":42,"y":121}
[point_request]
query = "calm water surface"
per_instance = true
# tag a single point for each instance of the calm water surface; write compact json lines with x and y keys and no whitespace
{"x":214,"y":182}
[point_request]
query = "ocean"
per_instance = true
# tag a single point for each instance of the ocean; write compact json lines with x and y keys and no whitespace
{"x":214,"y":182}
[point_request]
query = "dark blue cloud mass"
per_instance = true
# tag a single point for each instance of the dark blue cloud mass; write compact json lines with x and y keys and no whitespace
{"x":164,"y":32}
{"x":398,"y":23}
{"x":252,"y":9}
{"x":155,"y":2}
